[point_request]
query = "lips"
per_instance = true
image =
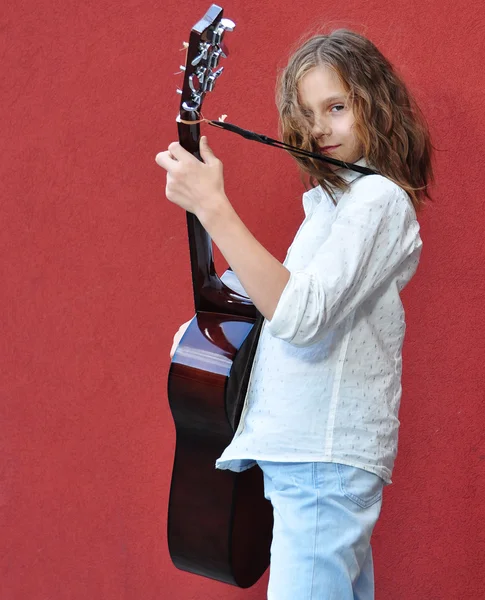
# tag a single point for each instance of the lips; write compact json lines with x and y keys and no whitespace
{"x":329,"y":148}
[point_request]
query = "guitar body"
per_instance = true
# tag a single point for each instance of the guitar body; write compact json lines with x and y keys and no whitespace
{"x":219,"y":523}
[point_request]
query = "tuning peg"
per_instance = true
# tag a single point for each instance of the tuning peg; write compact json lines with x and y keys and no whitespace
{"x":179,"y":91}
{"x":228,"y":24}
{"x":203,"y":53}
{"x":224,"y":50}
{"x":224,"y":25}
{"x":211,"y":80}
{"x":182,"y":68}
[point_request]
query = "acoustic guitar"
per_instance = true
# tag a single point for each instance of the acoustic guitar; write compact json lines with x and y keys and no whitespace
{"x":219,"y":523}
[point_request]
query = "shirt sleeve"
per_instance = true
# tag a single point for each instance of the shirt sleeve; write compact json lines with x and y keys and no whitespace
{"x":373,"y":233}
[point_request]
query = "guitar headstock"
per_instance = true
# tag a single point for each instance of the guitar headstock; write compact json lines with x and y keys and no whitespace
{"x":204,"y":52}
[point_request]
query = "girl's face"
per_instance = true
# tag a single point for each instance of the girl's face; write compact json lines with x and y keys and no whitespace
{"x":324,"y":102}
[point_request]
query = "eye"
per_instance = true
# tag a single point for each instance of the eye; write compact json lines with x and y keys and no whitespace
{"x":338,"y":107}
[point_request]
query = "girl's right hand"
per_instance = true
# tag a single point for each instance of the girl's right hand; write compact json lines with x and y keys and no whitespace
{"x":178,"y":336}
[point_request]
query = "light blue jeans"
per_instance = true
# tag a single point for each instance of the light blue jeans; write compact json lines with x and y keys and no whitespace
{"x":324,"y":515}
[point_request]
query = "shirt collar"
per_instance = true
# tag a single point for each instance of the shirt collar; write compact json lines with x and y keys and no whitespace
{"x":348,"y":175}
{"x":317,"y":194}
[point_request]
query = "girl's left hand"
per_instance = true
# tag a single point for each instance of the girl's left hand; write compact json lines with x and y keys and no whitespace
{"x":196,"y":186}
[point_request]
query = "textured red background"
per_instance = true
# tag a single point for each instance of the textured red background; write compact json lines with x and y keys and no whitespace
{"x":95,"y":280}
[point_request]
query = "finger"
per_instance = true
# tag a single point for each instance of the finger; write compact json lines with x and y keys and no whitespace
{"x":179,"y":153}
{"x":185,"y":325}
{"x":206,"y":152}
{"x":175,"y":345}
{"x":165,"y":160}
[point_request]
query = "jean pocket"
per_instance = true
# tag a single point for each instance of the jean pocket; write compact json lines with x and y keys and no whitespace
{"x":362,"y":487}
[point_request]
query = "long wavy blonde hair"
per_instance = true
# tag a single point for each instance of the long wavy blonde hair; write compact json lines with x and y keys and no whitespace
{"x":388,"y":122}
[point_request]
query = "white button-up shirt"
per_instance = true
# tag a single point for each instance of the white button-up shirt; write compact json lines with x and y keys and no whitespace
{"x":325,"y":383}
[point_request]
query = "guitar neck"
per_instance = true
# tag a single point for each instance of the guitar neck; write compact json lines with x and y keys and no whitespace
{"x":210,"y":293}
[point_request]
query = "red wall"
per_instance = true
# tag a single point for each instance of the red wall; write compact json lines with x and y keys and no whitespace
{"x":95,"y":280}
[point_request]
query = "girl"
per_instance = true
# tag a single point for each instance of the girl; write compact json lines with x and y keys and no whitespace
{"x":321,"y":412}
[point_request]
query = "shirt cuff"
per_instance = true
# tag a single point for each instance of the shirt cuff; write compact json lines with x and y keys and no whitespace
{"x":291,"y":307}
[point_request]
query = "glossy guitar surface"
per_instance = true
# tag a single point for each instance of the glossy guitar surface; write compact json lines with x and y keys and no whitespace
{"x":219,"y":523}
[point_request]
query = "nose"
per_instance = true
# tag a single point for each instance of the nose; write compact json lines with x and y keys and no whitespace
{"x":320,"y":128}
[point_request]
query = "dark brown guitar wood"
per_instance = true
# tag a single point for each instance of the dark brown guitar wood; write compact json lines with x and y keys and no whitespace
{"x":219,"y":523}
